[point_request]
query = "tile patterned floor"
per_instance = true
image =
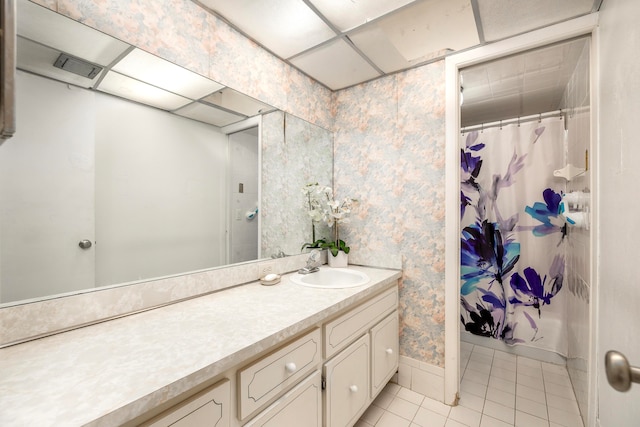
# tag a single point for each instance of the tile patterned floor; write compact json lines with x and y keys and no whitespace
{"x":498,"y":389}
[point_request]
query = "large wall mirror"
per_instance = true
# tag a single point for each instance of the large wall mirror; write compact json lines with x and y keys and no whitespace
{"x":126,"y":167}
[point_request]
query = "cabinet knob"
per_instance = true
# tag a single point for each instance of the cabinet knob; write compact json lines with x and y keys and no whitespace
{"x":353,"y":388}
{"x":389,"y":351}
{"x":290,"y":367}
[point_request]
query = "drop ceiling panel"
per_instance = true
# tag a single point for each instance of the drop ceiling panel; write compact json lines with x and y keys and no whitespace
{"x":336,"y":65}
{"x":39,"y":59}
{"x":286,"y":27}
{"x":520,"y":85}
{"x":417,"y":33}
{"x":166,"y":75}
{"x":208,"y":114}
{"x":51,"y":29}
{"x":235,"y":101}
{"x":425,"y":28}
{"x":346,"y":15}
{"x":135,"y":90}
{"x":501,"y":19}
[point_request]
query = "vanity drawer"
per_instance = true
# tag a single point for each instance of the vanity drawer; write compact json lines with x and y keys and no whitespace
{"x":348,"y":327}
{"x":301,"y":406}
{"x":261,"y":382}
{"x":207,"y":408}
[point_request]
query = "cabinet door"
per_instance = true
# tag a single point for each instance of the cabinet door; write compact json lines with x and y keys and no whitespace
{"x":209,"y":408}
{"x":384,"y":352}
{"x":347,"y":383}
{"x":302,"y":406}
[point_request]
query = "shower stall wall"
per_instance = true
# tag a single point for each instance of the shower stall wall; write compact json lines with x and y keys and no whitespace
{"x":513,"y":234}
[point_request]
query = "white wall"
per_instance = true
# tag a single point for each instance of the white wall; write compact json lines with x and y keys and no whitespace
{"x":160,"y":193}
{"x":618,"y":227}
{"x":243,"y":164}
{"x":577,"y":280}
{"x":46,"y":179}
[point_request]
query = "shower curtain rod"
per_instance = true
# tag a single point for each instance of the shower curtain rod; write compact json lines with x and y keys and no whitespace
{"x":518,"y":120}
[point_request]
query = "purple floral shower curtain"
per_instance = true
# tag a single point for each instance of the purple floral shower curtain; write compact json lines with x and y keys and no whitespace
{"x":512,"y":254}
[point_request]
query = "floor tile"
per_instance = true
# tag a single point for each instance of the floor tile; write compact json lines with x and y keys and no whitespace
{"x":564,"y":418}
{"x":372,"y":414}
{"x":383,"y":400}
{"x":392,"y":420}
{"x":567,"y":405}
{"x":530,"y":371}
{"x":480,"y":367}
{"x":558,"y":390}
{"x":476,"y":376}
{"x":504,"y":385}
{"x":481,"y":358}
{"x":533,"y":382}
{"x":483,"y":350}
{"x":526,"y":361}
{"x":454,"y":423}
{"x":467,"y":386}
{"x":471,"y":401}
{"x":466,"y":416}
{"x":531,"y":407}
{"x":410,"y":395}
{"x":502,"y":397}
{"x":505,"y":374}
{"x":503,"y":355}
{"x":498,"y":411}
{"x":556,"y":379}
{"x":531,"y":394}
{"x":488,"y":421}
{"x":392,"y":388}
{"x":437,"y":407}
{"x":525,"y":420}
{"x":427,"y":418}
{"x":361,"y":423}
{"x":403,"y":408}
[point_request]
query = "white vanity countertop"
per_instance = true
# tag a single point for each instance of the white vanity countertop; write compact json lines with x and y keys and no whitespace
{"x":111,"y":372}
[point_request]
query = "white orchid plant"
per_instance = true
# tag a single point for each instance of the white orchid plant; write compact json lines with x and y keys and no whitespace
{"x":324,"y":208}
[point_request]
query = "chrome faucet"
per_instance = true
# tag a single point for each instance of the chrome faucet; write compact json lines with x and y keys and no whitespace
{"x":313,"y":263}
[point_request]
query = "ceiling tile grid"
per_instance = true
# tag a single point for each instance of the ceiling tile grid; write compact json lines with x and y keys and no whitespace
{"x":341,"y":43}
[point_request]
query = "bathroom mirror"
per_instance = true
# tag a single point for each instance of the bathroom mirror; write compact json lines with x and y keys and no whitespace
{"x":126,"y":167}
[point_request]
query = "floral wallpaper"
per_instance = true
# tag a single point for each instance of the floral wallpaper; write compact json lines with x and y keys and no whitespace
{"x":294,"y":153}
{"x":389,"y":154}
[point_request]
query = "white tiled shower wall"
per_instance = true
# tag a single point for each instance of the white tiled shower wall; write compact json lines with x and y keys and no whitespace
{"x":577,"y":270}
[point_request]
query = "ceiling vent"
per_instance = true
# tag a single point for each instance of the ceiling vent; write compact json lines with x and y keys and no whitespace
{"x":77,"y":66}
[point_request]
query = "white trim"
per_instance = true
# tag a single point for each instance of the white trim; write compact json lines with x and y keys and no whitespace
{"x":594,"y":166}
{"x":242,"y":125}
{"x":577,"y":27}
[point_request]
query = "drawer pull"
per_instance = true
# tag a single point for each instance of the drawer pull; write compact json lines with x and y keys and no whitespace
{"x":353,"y":388}
{"x":290,"y":367}
{"x":389,"y":351}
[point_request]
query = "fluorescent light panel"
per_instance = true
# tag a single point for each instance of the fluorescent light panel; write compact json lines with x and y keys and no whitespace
{"x":52,"y":29}
{"x":232,"y":100}
{"x":126,"y":87}
{"x":164,"y":74}
{"x":286,"y":27}
{"x":348,"y":14}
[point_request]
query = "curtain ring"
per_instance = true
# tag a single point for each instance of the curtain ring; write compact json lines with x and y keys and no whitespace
{"x":539,"y":117}
{"x":482,"y":128}
{"x":518,"y":121}
{"x":500,"y":124}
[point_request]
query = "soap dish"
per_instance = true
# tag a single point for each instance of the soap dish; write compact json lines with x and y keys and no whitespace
{"x":271,"y":282}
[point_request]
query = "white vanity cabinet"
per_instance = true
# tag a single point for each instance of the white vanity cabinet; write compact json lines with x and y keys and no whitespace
{"x":324,"y":377}
{"x":209,"y":408}
{"x":356,"y":374}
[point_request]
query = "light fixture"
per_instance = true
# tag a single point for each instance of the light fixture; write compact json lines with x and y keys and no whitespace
{"x":158,"y":72}
{"x":135,"y":90}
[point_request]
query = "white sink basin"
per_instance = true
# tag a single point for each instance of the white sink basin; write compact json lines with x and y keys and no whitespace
{"x":334,"y":278}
